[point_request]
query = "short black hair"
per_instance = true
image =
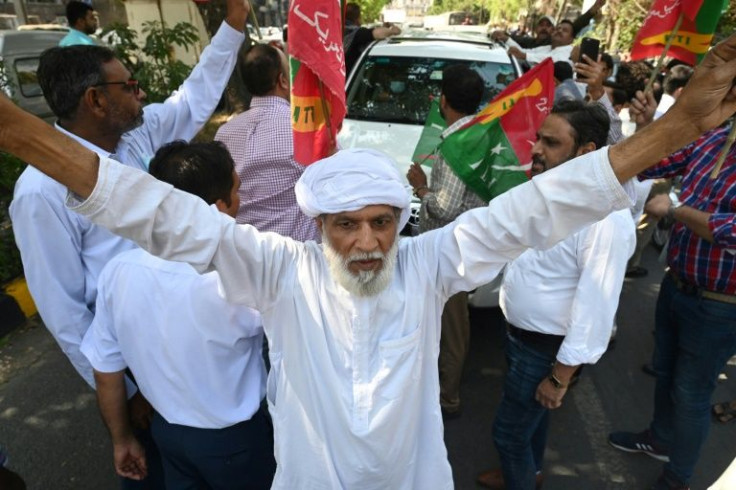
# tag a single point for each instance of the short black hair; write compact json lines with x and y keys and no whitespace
{"x":261,"y":68}
{"x":463,"y":88}
{"x":65,"y":74}
{"x":352,"y":12}
{"x":76,"y":10}
{"x":572,"y":25}
{"x":677,"y":78}
{"x":608,"y":60}
{"x":633,"y":76}
{"x":562,"y":70}
{"x":202,"y":169}
{"x":619,"y":94}
{"x":590,"y":122}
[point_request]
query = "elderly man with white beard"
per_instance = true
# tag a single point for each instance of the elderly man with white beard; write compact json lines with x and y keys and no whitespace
{"x":354,"y":384}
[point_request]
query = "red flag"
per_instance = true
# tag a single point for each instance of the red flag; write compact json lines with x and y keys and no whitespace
{"x":692,"y":39}
{"x":317,"y":77}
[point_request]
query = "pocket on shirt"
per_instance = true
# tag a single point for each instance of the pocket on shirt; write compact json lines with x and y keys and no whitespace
{"x":401,"y":364}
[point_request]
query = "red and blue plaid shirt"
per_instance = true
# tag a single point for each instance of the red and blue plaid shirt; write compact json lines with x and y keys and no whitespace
{"x":711,"y":266}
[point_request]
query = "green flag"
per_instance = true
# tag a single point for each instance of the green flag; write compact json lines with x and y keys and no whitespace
{"x":492,"y":153}
{"x":430,"y":139}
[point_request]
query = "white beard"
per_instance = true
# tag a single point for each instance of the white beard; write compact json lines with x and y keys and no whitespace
{"x":364,"y":283}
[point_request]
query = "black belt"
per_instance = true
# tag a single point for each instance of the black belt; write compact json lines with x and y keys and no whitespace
{"x":693,"y":290}
{"x":543,"y":342}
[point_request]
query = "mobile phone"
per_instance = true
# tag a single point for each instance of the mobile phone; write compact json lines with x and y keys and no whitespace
{"x":590,"y":48}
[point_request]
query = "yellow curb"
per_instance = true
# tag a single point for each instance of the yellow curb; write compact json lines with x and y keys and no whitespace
{"x":18,"y":289}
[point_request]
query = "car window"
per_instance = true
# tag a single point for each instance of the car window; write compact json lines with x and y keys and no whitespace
{"x":400,"y":89}
{"x":25,"y":70}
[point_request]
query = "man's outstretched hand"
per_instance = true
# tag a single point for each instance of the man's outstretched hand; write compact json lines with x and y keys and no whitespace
{"x":709,"y":98}
{"x":237,"y":13}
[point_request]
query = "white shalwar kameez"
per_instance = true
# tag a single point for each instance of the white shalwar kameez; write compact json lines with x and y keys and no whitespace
{"x":354,"y":389}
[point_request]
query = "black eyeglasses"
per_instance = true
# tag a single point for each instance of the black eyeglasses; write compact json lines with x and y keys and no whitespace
{"x":131,"y":85}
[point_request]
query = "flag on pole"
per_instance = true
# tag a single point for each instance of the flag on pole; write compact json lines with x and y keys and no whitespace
{"x":430,"y":139}
{"x":492,"y":153}
{"x":691,"y":41}
{"x":317,"y":77}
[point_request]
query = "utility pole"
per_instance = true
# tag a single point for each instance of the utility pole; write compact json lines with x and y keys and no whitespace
{"x":20,"y":12}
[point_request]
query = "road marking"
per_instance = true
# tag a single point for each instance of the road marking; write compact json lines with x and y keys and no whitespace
{"x":611,"y":465}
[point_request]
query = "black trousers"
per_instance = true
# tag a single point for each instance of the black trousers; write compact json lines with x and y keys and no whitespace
{"x":239,"y":457}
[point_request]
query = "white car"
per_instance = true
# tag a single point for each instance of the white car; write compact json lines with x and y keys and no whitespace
{"x":390,"y":90}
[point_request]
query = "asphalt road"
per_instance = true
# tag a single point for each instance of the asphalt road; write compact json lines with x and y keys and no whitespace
{"x":53,"y":433}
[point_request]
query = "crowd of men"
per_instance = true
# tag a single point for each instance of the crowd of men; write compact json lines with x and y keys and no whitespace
{"x":158,"y":265}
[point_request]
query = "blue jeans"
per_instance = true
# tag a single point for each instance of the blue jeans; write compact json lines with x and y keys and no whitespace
{"x":694,"y":338}
{"x":520,"y":427}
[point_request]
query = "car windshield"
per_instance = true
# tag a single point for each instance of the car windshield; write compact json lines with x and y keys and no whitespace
{"x":401,"y":89}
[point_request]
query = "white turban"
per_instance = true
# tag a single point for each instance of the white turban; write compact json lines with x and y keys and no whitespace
{"x":350,"y":180}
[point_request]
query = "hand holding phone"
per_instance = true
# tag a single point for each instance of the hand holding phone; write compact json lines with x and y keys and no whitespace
{"x":590,"y":48}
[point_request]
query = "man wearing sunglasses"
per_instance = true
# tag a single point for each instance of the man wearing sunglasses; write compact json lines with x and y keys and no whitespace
{"x":99,"y":104}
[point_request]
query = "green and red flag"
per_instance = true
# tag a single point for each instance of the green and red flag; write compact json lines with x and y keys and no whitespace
{"x":317,"y":77}
{"x":691,"y":41}
{"x":492,"y":152}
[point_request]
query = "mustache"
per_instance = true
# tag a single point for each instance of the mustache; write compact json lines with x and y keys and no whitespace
{"x":365,"y":256}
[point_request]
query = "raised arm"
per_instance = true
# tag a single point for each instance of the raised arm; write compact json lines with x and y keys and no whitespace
{"x":184,"y":113}
{"x":708,"y":99}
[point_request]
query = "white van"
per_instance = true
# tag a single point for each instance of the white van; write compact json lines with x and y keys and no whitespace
{"x":20,"y":52}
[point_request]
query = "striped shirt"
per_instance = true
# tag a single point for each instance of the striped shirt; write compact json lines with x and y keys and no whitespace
{"x":261,"y":144}
{"x":711,"y":266}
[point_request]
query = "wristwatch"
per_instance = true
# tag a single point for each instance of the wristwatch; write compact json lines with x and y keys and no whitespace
{"x":556,"y":381}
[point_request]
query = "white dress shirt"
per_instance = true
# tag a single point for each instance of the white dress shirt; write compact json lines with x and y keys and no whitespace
{"x":664,"y":105}
{"x":62,"y":252}
{"x":541,"y":53}
{"x":573,"y":288}
{"x":195,"y":357}
{"x":354,"y":388}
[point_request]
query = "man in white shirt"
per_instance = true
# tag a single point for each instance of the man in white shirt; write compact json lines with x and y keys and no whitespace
{"x":353,"y":324}
{"x":195,"y":357}
{"x":559,"y":304}
{"x":99,"y":105}
{"x":673,"y":84}
{"x":559,"y":48}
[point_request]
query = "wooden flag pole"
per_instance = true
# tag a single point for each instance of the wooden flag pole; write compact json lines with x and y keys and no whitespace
{"x":667,"y":46}
{"x":255,"y":20}
{"x":326,"y":112}
{"x":724,"y":152}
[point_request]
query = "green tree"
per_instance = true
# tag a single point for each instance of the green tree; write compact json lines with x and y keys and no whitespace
{"x":154,"y":64}
{"x":370,"y":10}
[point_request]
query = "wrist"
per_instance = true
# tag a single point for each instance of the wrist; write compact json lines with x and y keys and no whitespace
{"x":671,"y":211}
{"x":556,"y":382}
{"x":596,"y":92}
{"x":419,"y":191}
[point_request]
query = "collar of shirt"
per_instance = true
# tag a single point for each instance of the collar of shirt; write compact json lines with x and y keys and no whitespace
{"x":267,"y":100}
{"x":84,"y":142}
{"x":456,"y":125}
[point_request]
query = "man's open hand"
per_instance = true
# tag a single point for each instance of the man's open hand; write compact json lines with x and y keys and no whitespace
{"x":709,"y":98}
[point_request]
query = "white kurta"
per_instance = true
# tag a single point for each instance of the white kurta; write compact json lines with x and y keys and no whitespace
{"x":354,"y":389}
{"x":573,"y":288}
{"x":196,"y":358}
